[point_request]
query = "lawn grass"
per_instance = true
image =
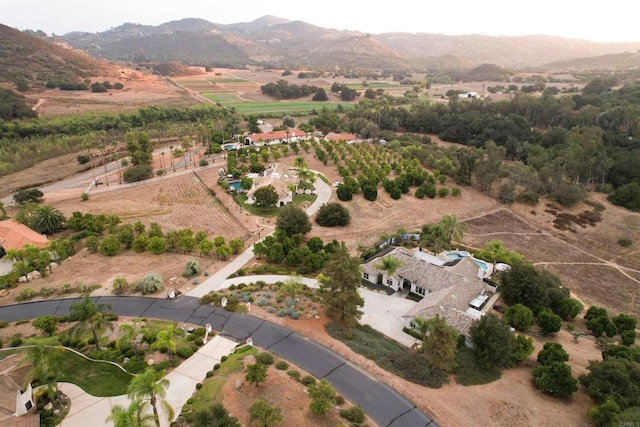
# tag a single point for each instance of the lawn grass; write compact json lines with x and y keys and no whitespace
{"x":469,"y":373}
{"x":211,"y":391}
{"x":298,"y":199}
{"x":96,"y":378}
{"x":266,"y":213}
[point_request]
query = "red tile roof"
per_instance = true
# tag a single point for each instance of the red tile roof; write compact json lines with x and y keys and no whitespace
{"x":276,"y":134}
{"x":14,"y":235}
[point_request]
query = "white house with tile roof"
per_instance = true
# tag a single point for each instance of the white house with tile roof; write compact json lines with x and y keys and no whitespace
{"x":451,"y":288}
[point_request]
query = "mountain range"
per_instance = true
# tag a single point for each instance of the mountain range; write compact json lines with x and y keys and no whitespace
{"x":281,"y":43}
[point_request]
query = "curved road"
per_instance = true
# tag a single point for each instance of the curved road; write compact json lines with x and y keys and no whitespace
{"x":383,"y":404}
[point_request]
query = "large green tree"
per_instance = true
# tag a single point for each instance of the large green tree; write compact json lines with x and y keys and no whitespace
{"x":555,"y":379}
{"x":453,"y":230}
{"x":519,"y":316}
{"x":333,"y":214}
{"x":265,"y":197}
{"x":440,"y":344}
{"x":293,"y":220}
{"x":492,"y":342}
{"x":489,"y":164}
{"x":339,"y":287}
{"x":615,"y":378}
{"x":150,"y":385}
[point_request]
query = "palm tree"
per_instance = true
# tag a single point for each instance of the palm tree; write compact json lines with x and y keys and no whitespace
{"x":132,"y":416}
{"x":165,"y":339}
{"x":496,"y":250}
{"x":38,"y":354}
{"x":129,"y":333}
{"x":86,"y":310}
{"x":150,"y":385}
{"x":299,"y":163}
{"x":307,"y":178}
{"x":389,"y":265}
{"x":452,"y":229}
{"x":47,"y":220}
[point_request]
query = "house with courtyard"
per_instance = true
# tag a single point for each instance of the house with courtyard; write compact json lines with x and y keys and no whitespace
{"x":283,"y":181}
{"x":454,"y":285}
{"x":274,"y":137}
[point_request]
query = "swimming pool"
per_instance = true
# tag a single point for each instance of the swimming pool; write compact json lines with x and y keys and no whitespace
{"x":234,"y":185}
{"x":483,"y":265}
{"x":458,"y":255}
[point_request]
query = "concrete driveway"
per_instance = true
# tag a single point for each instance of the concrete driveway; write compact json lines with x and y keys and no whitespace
{"x":183,"y":380}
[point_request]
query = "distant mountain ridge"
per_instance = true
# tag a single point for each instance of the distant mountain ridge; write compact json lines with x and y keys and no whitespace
{"x":276,"y":42}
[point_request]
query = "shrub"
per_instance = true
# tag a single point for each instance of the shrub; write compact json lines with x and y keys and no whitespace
{"x":82,"y":159}
{"x":216,"y":366}
{"x":120,"y":285}
{"x":184,"y":352}
{"x":308,"y":380}
{"x":84,"y":197}
{"x":528,"y":197}
{"x":294,"y":374}
{"x":137,"y":173}
{"x":16,"y":342}
{"x":355,"y":414}
{"x":191,"y":268}
{"x":198,"y":342}
{"x":625,"y":242}
{"x":333,"y":214}
{"x":282,"y":365}
{"x":198,"y":386}
{"x":443,"y":191}
{"x":209,"y":374}
{"x":265,"y":358}
{"x":26,"y":294}
{"x":340,"y":400}
{"x":569,"y":194}
{"x":151,"y":284}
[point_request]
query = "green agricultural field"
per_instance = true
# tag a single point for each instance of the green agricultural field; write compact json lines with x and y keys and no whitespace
{"x":192,"y":82}
{"x":228,"y":80}
{"x":285,"y":107}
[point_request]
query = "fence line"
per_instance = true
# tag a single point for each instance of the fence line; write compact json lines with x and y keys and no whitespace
{"x":152,"y":180}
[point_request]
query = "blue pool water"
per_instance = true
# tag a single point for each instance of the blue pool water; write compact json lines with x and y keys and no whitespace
{"x":458,"y":255}
{"x":483,"y":265}
{"x":235,"y":185}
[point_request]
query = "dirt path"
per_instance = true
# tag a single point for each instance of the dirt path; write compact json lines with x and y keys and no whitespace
{"x":539,"y":231}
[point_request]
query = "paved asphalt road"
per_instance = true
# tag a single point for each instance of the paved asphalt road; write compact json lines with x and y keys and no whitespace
{"x":383,"y":404}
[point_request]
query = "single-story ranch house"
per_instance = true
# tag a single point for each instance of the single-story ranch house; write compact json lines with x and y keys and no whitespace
{"x":451,"y":284}
{"x":274,"y":137}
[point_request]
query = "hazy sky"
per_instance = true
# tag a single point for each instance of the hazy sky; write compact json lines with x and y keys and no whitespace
{"x":612,"y":20}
